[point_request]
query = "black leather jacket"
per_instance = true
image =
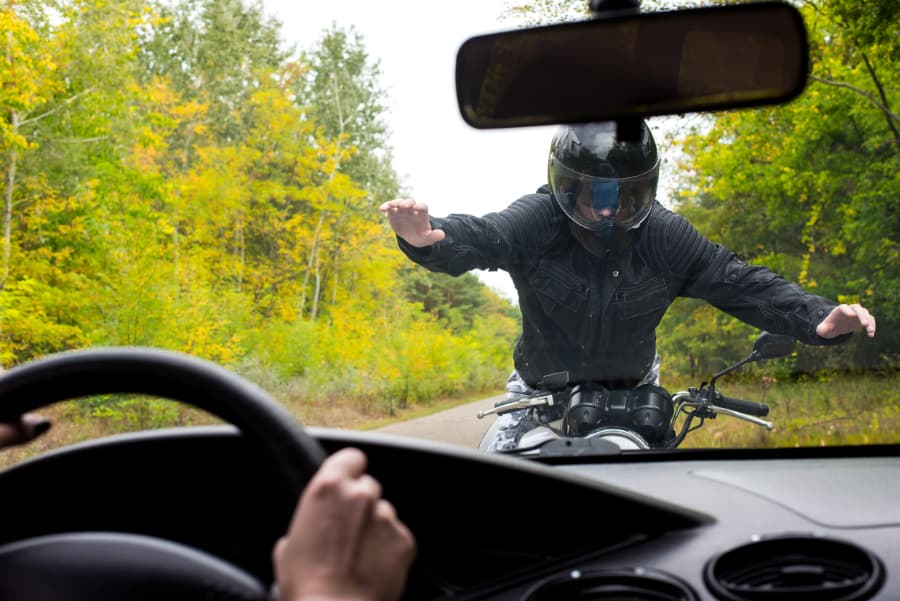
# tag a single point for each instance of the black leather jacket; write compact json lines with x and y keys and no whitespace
{"x":596,"y":317}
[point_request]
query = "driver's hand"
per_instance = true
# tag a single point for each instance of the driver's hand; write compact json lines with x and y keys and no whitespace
{"x":409,"y":219}
{"x":345,"y":542}
{"x":844,"y":319}
{"x":29,"y":427}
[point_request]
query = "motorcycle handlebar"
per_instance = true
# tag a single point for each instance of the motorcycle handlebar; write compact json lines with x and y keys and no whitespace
{"x":748,"y":407}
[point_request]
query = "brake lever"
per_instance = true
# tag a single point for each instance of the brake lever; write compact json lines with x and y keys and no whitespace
{"x":536,"y":401}
{"x":749,"y":418}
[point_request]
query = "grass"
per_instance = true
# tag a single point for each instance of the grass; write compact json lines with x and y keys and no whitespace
{"x":839,"y":410}
{"x":87,"y":419}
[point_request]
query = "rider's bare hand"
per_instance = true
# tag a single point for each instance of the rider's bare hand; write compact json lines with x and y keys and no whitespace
{"x":409,"y":219}
{"x":845,"y":319}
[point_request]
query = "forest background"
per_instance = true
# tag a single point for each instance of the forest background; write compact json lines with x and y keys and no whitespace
{"x":175,"y":177}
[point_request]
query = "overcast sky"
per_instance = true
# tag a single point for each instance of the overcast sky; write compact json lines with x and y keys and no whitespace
{"x":445,"y":163}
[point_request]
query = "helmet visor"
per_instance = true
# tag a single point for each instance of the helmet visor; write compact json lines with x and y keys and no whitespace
{"x":597,"y":203}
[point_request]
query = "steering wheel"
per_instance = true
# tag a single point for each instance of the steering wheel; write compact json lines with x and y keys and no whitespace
{"x":101,"y":566}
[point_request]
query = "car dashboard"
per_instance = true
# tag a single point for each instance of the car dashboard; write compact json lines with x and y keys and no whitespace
{"x":821,"y":524}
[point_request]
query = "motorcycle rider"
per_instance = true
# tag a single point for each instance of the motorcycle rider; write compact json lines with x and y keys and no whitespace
{"x":597,"y":261}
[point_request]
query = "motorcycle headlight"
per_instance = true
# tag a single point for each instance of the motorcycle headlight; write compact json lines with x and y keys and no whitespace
{"x":651,"y":412}
{"x":587,"y":408}
{"x":646,"y":410}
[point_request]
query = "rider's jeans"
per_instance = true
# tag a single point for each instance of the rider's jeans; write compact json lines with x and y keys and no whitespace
{"x":511,"y":426}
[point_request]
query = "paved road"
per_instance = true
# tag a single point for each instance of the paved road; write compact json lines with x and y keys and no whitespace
{"x":458,"y":425}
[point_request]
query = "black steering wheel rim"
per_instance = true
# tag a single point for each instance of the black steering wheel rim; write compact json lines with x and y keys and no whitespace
{"x":107,"y":565}
{"x":171,"y":375}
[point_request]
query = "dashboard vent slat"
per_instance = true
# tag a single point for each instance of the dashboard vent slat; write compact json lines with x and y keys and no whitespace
{"x":792,"y":567}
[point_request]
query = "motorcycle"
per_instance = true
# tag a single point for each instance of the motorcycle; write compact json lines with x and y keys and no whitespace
{"x":589,"y":418}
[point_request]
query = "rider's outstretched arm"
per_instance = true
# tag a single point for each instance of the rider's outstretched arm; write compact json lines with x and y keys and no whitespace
{"x":752,"y":293}
{"x":458,"y":243}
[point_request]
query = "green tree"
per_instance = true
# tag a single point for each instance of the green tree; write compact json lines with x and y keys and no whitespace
{"x":341,"y":92}
{"x":72,"y":61}
{"x":166,"y":186}
{"x":213,"y":52}
{"x":455,"y":301}
{"x":811,"y":189}
{"x":27,"y":81}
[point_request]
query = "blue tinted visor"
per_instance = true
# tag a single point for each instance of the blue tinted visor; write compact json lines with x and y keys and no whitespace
{"x":604,"y":196}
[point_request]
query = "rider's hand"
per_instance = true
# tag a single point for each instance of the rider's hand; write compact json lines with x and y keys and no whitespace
{"x":345,"y":542}
{"x":410,"y":221}
{"x":844,"y":319}
{"x":29,"y":427}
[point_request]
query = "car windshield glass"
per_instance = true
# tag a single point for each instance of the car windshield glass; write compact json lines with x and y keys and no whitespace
{"x":290,"y":191}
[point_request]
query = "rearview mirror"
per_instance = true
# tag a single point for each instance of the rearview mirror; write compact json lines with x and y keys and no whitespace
{"x":636,"y":65}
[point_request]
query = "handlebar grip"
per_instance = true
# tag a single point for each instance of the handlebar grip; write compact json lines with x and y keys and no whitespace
{"x":748,"y":407}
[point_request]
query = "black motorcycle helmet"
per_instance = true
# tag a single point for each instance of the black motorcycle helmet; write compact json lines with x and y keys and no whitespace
{"x":600,"y":181}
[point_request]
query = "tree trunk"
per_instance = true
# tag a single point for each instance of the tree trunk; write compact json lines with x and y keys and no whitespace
{"x":242,"y":255}
{"x":334,"y":287}
{"x":313,"y":258}
{"x":318,"y":289}
{"x":7,"y":212}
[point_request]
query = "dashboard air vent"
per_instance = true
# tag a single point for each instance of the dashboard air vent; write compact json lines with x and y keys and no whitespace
{"x":627,"y":584}
{"x":795,"y":567}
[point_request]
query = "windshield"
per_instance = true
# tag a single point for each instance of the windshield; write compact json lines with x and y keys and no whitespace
{"x":217,"y":178}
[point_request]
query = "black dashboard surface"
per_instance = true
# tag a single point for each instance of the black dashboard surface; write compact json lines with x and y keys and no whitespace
{"x":487,"y":527}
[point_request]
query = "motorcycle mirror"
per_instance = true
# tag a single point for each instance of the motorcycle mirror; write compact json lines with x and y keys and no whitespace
{"x":767,"y":346}
{"x":773,"y":346}
{"x":625,"y":65}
